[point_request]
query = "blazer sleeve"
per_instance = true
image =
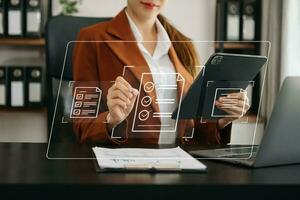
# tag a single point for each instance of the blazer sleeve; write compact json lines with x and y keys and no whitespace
{"x":85,"y":69}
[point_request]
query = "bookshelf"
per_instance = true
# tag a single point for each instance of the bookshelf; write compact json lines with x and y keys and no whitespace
{"x":27,"y":43}
{"x":33,"y":120}
{"x":240,"y":45}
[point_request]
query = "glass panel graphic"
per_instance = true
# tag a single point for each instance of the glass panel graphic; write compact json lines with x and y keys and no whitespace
{"x":131,"y":100}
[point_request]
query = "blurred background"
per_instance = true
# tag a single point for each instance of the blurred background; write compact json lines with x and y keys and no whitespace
{"x":241,"y":23}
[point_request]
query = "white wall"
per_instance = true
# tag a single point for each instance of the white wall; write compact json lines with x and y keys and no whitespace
{"x":290,"y":39}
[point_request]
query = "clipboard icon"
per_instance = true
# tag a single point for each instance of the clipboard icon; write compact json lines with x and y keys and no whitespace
{"x":144,"y":112}
{"x":86,"y":102}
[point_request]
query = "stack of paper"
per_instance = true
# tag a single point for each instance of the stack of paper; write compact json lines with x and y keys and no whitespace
{"x":146,"y":159}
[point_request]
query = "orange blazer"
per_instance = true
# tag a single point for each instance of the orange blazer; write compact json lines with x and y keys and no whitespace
{"x":104,"y":62}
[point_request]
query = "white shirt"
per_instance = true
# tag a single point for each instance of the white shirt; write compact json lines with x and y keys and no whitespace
{"x":160,"y":63}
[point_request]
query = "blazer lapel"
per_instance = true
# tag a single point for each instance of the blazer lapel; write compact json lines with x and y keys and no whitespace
{"x":124,"y":45}
{"x":122,"y":42}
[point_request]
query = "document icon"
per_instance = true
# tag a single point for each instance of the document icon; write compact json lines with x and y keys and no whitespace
{"x":86,"y":102}
{"x":223,"y":92}
{"x":166,"y":98}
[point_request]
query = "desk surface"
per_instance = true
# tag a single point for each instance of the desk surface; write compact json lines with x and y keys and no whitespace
{"x":26,"y":164}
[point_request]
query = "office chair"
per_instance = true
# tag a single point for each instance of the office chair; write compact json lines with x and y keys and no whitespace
{"x":59,"y":31}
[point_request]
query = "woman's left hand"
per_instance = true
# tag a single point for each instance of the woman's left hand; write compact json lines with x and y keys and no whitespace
{"x":235,"y":104}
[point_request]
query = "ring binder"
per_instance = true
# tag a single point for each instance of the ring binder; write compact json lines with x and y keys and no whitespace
{"x":2,"y":18}
{"x":15,"y":18}
{"x":3,"y":86}
{"x":17,"y":87}
{"x":249,"y":20}
{"x":233,"y":20}
{"x":34,"y":86}
{"x":33,"y":18}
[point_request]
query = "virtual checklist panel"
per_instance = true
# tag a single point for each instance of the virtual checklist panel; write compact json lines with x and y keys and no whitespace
{"x":144,"y":112}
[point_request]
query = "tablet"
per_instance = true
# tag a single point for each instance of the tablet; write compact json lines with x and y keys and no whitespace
{"x":222,"y":74}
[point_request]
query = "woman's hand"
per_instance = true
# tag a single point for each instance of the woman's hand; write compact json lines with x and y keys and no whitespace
{"x":120,"y":101}
{"x":236,"y":104}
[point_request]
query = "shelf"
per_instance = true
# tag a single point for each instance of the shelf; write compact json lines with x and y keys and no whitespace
{"x":22,"y":42}
{"x":24,"y":109}
{"x":237,"y":45}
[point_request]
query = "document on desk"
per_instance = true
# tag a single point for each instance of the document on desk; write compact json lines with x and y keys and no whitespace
{"x":138,"y":159}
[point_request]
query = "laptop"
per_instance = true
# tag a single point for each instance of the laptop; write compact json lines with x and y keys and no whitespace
{"x":280,"y":144}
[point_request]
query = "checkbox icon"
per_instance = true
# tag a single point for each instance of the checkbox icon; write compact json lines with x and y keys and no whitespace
{"x":79,"y":97}
{"x":78,"y":104}
{"x":146,"y":101}
{"x":76,"y":112}
{"x":149,"y":87}
{"x":144,"y":115}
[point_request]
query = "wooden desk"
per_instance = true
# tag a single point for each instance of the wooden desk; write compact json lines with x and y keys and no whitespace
{"x":25,"y":171}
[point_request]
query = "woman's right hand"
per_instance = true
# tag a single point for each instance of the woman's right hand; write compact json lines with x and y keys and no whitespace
{"x":120,"y":101}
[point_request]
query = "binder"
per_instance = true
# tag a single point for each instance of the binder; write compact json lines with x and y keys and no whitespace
{"x":2,"y":18}
{"x":219,"y":35}
{"x":233,"y":20}
{"x":33,"y":18}
{"x":15,"y":19}
{"x":34,"y":86}
{"x":3,"y":86}
{"x":249,"y":20}
{"x":17,"y":86}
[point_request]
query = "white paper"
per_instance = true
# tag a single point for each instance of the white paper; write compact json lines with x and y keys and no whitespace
{"x":174,"y":158}
{"x":33,"y":21}
{"x":14,"y":22}
{"x":17,"y":93}
{"x":1,"y":23}
{"x":35,"y":91}
{"x":2,"y":95}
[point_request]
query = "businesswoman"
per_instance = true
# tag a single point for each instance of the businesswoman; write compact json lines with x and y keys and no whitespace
{"x":104,"y":62}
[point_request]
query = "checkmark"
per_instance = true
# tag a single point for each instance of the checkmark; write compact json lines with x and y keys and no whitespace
{"x":149,"y":86}
{"x":146,"y":101}
{"x":144,"y":115}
